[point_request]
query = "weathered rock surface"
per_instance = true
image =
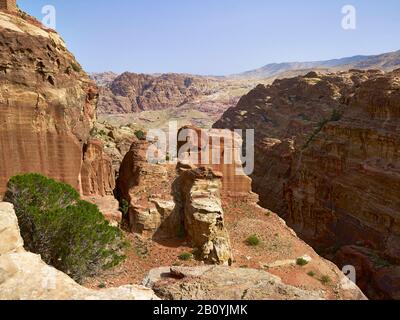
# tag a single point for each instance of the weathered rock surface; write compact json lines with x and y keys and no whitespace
{"x":131,"y":92}
{"x":225,"y":283}
{"x":203,"y":214}
{"x":117,"y":141}
{"x":148,"y":188}
{"x":97,"y":172}
{"x":163,"y":204}
{"x":220,"y":151}
{"x":24,"y":276}
{"x":47,"y":104}
{"x":327,"y":156}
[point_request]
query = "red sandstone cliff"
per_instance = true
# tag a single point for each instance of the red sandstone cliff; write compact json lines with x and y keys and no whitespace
{"x":47,"y":104}
{"x":327,"y":160}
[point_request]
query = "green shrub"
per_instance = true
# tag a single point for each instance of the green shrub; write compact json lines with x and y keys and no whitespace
{"x":76,"y":67}
{"x":335,"y":116}
{"x":326,"y":280}
{"x":124,"y":207}
{"x":253,"y":241}
{"x":70,"y":234}
{"x":140,"y":135}
{"x":301,"y":262}
{"x":186,"y":256}
{"x":311,"y":274}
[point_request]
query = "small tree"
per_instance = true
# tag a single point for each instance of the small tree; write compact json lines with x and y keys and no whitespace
{"x":70,"y":234}
{"x":140,"y":134}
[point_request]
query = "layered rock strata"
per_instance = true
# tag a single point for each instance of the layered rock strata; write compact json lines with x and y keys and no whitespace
{"x":47,"y":105}
{"x":327,"y":157}
{"x":204,"y":216}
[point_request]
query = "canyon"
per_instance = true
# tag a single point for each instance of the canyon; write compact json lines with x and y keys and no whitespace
{"x":326,"y":161}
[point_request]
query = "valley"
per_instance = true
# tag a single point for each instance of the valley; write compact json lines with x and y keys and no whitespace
{"x":323,"y":195}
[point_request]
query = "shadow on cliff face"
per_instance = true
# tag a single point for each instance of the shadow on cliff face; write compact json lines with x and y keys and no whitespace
{"x":332,"y":178}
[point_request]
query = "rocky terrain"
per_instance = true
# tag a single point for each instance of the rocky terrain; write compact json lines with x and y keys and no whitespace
{"x":131,"y":92}
{"x":24,"y":276}
{"x":152,"y":101}
{"x":201,"y":220}
{"x":47,"y":108}
{"x":326,"y":161}
{"x":188,"y":215}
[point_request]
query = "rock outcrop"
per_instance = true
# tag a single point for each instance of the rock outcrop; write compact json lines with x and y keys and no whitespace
{"x":164,"y":203}
{"x":200,"y":193}
{"x":148,"y":188}
{"x":117,"y":141}
{"x":47,"y":104}
{"x":224,"y":283}
{"x":327,"y":157}
{"x":219,"y":150}
{"x":97,"y":172}
{"x":24,"y":276}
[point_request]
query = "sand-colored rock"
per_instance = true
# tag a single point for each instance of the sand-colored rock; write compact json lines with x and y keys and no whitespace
{"x":203,"y":214}
{"x":225,"y":283}
{"x":24,"y":276}
{"x":148,"y":188}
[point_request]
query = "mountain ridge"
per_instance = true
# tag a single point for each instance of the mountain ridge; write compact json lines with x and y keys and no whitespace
{"x":385,"y":61}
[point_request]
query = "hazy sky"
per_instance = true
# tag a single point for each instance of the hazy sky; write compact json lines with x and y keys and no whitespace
{"x":217,"y":36}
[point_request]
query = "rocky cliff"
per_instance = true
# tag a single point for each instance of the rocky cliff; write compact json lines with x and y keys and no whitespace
{"x":47,"y":105}
{"x":24,"y":276}
{"x":327,"y":161}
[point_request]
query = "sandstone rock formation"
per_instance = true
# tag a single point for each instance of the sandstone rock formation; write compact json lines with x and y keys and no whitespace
{"x":47,"y":104}
{"x":220,"y":151}
{"x":203,"y":214}
{"x":224,"y":283}
{"x":24,"y":276}
{"x":131,"y":92}
{"x":148,"y":188}
{"x":97,"y":171}
{"x":163,"y":204}
{"x":326,"y":156}
{"x":117,"y":141}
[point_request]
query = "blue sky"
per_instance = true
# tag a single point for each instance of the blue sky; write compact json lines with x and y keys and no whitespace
{"x":217,"y":36}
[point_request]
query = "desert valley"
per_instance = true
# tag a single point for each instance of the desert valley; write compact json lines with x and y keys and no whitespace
{"x":323,"y":196}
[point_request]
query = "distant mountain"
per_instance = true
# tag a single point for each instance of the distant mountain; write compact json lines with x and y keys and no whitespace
{"x":386,"y":62}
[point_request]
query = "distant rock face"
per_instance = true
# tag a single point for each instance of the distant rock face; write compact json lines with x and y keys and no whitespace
{"x":47,"y":108}
{"x":203,"y":214}
{"x":327,"y":156}
{"x":131,"y":92}
{"x":24,"y":276}
{"x":224,"y":283}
